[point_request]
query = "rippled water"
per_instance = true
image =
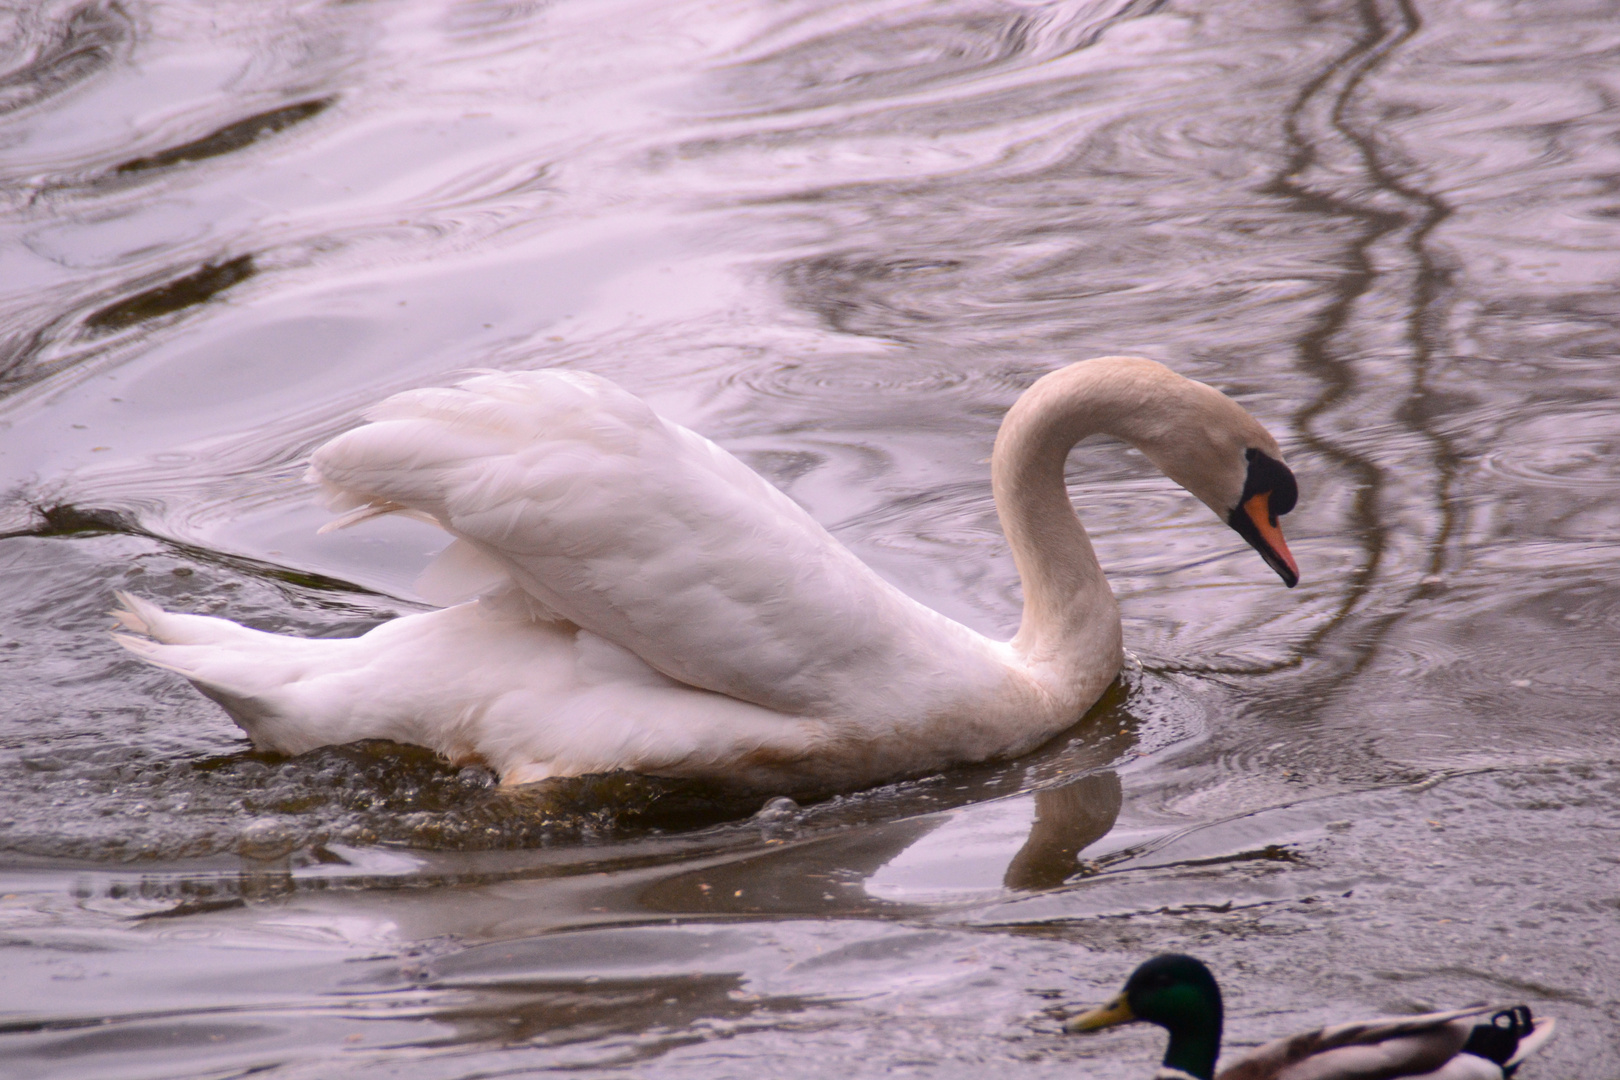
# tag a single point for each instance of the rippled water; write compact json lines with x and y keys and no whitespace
{"x":840,"y":238}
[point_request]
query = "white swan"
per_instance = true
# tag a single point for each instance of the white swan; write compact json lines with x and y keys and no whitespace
{"x":649,"y":603}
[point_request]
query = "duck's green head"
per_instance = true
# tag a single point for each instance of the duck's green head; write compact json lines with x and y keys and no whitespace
{"x":1177,"y":993}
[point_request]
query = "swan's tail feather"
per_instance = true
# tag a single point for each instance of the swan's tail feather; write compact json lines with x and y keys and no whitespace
{"x":145,"y":648}
{"x":180,"y":643}
{"x":157,"y":654}
{"x":136,"y":615}
{"x":249,"y":672}
{"x":170,"y":628}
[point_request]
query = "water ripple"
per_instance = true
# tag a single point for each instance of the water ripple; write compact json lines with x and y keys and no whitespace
{"x":840,"y":238}
{"x":62,"y":45}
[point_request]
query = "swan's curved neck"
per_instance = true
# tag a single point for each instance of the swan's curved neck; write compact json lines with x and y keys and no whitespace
{"x":1069,"y":611}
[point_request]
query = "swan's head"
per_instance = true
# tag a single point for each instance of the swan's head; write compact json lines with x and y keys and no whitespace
{"x":1196,"y":435}
{"x":1237,"y":471}
{"x":1269,"y":491}
{"x":1211,"y":446}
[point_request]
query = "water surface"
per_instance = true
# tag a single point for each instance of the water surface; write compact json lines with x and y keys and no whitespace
{"x":839,"y":238}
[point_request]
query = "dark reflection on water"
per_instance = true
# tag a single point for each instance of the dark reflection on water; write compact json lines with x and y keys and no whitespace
{"x":176,"y":295}
{"x":234,"y":136}
{"x":841,"y":239}
{"x":55,"y":47}
{"x":1068,"y":819}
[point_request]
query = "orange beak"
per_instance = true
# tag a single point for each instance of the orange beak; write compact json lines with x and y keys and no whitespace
{"x":1272,"y":547}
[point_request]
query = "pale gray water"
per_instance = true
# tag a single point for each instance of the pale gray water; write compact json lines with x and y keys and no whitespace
{"x":839,"y":238}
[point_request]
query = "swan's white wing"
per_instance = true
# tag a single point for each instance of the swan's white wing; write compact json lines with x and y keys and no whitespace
{"x":657,"y":539}
{"x":461,"y":572}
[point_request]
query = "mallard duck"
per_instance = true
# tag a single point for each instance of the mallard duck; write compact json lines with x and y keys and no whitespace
{"x":1179,"y":994}
{"x":646,"y":602}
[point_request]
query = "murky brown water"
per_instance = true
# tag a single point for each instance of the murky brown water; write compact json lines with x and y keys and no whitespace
{"x":840,"y":238}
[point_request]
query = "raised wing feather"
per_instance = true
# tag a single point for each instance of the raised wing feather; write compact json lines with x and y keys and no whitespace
{"x":653,"y":537}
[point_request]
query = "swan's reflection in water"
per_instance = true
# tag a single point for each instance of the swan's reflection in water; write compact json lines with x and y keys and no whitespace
{"x":629,"y":1017}
{"x":632,"y":992}
{"x":914,"y":862}
{"x":580,"y":953}
{"x":330,"y":827}
{"x":1068,"y":820}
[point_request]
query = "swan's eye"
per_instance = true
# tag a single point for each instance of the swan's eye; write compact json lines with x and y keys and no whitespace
{"x":1267,"y":474}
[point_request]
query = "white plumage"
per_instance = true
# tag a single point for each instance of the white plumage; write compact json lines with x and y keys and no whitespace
{"x":647,"y":602}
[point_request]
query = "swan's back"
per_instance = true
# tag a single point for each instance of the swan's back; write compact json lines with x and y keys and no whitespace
{"x":652,"y":536}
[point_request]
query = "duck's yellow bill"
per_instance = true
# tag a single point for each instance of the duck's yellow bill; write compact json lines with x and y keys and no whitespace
{"x":1117,"y":1011}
